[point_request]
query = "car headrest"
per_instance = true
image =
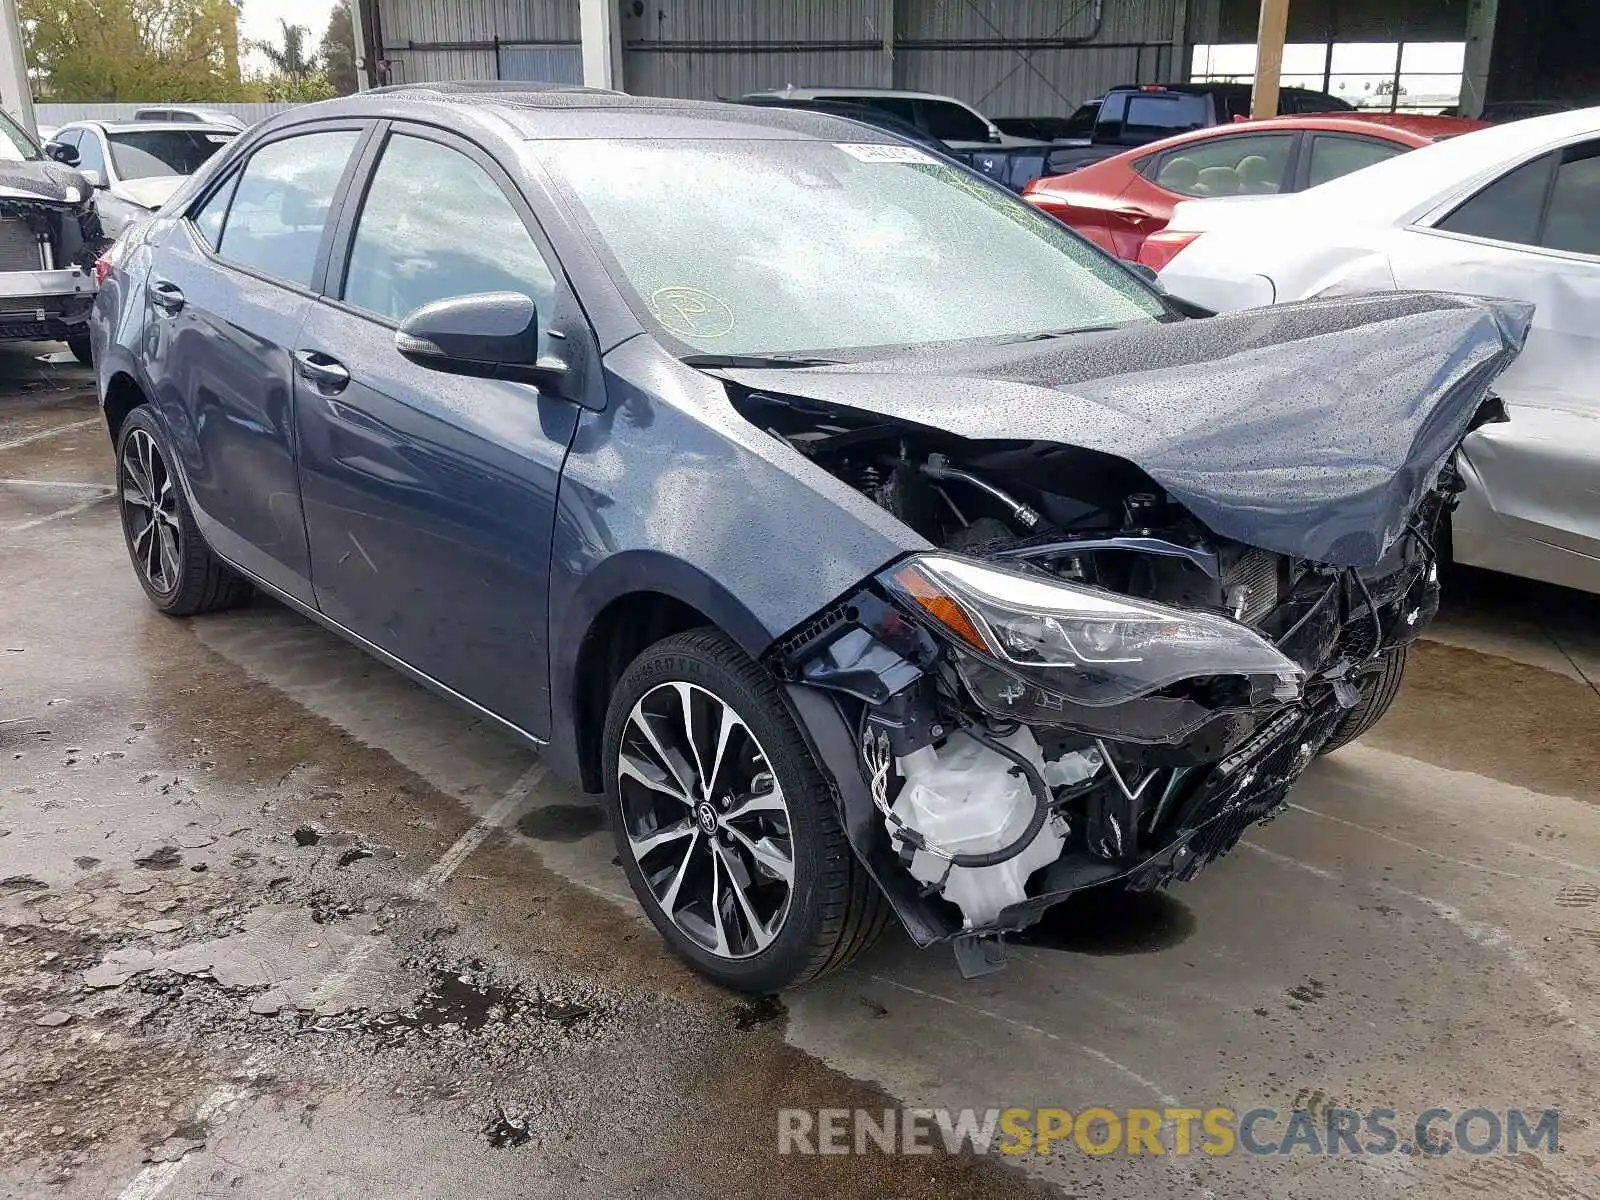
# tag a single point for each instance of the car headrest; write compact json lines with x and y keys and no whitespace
{"x":1180,"y":174}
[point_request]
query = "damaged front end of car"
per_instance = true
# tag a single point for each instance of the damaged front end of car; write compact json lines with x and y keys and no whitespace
{"x":50,"y":236}
{"x":1082,"y":681}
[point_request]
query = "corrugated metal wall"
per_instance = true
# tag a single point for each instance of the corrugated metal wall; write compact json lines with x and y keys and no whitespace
{"x":479,"y":39}
{"x":1008,"y":57}
{"x":1061,"y":52}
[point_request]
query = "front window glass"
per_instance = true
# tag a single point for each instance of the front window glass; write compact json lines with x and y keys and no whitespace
{"x":435,"y":225}
{"x":147,"y":153}
{"x":790,"y":246}
{"x":1332,"y":157}
{"x":15,"y":144}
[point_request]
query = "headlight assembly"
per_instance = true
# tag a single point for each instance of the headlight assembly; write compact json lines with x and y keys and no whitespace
{"x":1081,"y":645}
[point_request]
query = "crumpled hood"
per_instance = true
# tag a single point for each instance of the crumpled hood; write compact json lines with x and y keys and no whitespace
{"x":44,"y":180}
{"x":149,"y":193}
{"x":1311,"y":429}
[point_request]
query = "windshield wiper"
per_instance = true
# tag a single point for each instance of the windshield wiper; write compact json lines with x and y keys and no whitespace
{"x":756,"y":362}
{"x":1048,"y":334}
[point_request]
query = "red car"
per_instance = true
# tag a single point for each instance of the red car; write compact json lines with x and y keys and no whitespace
{"x":1121,"y":201}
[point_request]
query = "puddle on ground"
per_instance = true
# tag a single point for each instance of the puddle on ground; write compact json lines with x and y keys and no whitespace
{"x":757,"y":1011}
{"x":562,"y":822}
{"x":1110,"y":920}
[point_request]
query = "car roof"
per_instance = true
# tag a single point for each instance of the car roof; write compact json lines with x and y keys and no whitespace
{"x":534,"y":111}
{"x":1414,"y":129}
{"x":823,"y":93}
{"x":147,"y":126}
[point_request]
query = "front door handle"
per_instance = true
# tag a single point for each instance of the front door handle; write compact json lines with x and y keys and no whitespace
{"x":324,"y":371}
{"x":1133,"y":214}
{"x":168,"y":297}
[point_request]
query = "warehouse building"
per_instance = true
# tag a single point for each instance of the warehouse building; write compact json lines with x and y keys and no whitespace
{"x":1006,"y":57}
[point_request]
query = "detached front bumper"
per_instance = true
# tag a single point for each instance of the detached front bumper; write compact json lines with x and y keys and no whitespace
{"x":45,"y":304}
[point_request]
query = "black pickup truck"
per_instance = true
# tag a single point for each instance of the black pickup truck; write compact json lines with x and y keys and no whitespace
{"x":1137,"y":115}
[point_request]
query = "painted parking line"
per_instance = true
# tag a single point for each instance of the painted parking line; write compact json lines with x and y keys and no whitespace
{"x":40,"y":434}
{"x":96,"y":493}
{"x":157,"y":1177}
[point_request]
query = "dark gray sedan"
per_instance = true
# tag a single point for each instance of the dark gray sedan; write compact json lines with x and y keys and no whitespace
{"x":878,"y":546}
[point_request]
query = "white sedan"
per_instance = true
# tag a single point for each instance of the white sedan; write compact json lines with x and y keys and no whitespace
{"x":1511,"y":211}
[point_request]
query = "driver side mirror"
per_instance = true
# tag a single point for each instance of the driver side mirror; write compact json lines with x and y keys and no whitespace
{"x":488,"y":335}
{"x":62,"y":153}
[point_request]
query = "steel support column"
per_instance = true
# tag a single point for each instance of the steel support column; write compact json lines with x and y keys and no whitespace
{"x":16,"y":92}
{"x":600,"y":27}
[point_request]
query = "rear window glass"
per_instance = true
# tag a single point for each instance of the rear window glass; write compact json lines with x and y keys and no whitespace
{"x":1508,"y":209}
{"x":281,"y":204}
{"x":1149,"y":116}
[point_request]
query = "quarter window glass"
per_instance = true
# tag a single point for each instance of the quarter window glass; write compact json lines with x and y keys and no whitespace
{"x":1573,"y":222}
{"x":281,"y":204}
{"x":209,"y":219}
{"x":435,"y":225}
{"x":1227,"y":166}
{"x":1508,"y":209}
{"x":952,"y":123}
{"x":1332,"y":157}
{"x":90,"y":156}
{"x":899,"y":106}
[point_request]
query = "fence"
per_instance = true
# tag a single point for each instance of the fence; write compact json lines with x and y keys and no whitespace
{"x":51,"y":115}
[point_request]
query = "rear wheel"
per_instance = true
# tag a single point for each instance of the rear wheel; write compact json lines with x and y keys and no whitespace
{"x":1378,"y":690}
{"x":175,"y":567}
{"x":80,"y":349}
{"x":724,"y":823}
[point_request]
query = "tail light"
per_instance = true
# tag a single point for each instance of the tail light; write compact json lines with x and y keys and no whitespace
{"x":1161,"y":247}
{"x":102,"y":268}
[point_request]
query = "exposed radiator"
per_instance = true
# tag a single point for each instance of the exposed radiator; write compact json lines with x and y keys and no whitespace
{"x":20,"y":247}
{"x":1250,"y":585}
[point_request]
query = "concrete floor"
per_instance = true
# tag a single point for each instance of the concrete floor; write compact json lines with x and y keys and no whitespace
{"x":228,"y":846}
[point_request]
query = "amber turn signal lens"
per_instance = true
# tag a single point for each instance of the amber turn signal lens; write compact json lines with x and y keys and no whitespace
{"x":938,"y":605}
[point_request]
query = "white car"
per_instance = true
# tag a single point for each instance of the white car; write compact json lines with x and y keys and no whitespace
{"x":1512,"y":211}
{"x":957,"y":125}
{"x":135,"y":167}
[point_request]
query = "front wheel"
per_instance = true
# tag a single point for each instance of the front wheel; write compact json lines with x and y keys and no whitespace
{"x":724,"y":823}
{"x":1378,"y":690}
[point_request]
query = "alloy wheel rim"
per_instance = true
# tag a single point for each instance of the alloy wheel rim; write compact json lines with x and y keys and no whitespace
{"x":150,"y":512}
{"x":706,"y":820}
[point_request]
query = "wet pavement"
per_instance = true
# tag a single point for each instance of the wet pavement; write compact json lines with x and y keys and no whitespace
{"x":274,"y":922}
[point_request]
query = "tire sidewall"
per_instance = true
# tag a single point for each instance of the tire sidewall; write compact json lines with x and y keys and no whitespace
{"x":141,"y":419}
{"x":813,"y":828}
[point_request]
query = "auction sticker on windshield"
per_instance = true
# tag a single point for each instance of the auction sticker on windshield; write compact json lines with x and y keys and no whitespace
{"x":691,"y":312}
{"x":873,"y":152}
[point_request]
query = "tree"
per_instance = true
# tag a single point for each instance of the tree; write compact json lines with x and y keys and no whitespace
{"x":338,"y":50}
{"x":103,"y":50}
{"x":290,"y":59}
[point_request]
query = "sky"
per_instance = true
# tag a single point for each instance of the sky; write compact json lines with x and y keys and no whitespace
{"x":259,"y":22}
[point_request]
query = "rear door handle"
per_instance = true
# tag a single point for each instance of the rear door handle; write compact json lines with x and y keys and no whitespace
{"x":168,"y":297}
{"x":324,"y":371}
